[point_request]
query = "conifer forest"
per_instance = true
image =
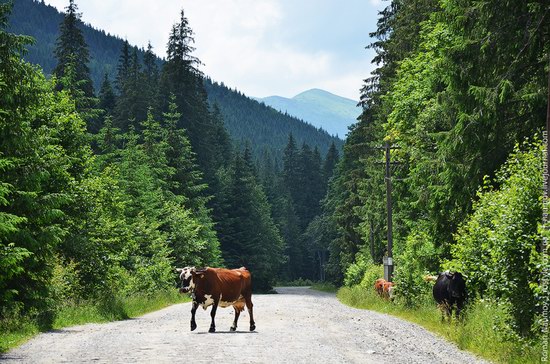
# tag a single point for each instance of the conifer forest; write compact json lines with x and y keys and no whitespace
{"x":116,"y":166}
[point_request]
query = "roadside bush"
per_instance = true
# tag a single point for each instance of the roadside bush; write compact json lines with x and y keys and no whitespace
{"x":372,"y":273}
{"x":419,"y":254}
{"x":356,"y":271}
{"x":498,"y":247}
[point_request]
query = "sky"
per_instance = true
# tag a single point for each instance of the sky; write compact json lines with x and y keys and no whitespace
{"x":260,"y":47}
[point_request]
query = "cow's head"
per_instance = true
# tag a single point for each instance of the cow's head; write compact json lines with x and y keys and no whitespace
{"x":186,"y":279}
{"x":457,"y":284}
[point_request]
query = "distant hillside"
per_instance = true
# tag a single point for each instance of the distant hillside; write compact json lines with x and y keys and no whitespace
{"x":245,"y":119}
{"x":320,"y":108}
{"x":265,"y":127}
{"x":41,"y":21}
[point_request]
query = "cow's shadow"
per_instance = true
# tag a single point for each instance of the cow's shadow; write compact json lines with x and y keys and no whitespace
{"x":225,"y":332}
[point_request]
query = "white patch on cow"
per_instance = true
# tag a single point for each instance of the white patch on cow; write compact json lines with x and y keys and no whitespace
{"x":224,"y":304}
{"x":208,"y":301}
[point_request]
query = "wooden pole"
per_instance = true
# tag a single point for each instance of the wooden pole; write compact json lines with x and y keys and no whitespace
{"x":388,"y":200}
{"x":389,"y":259}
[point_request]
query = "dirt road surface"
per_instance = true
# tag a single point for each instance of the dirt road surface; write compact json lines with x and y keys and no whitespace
{"x":298,"y":325}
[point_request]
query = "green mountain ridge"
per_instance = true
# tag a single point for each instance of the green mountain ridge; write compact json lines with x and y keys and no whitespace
{"x":321,"y":108}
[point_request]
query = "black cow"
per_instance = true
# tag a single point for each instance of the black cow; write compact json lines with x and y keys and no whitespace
{"x":450,"y":290}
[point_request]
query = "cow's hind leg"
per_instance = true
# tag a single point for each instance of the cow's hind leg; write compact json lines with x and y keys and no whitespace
{"x":249,"y":306}
{"x":237,"y":314}
{"x":213,"y":315}
{"x":193,"y":311}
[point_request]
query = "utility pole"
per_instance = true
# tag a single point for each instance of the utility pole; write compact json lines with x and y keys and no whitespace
{"x":388,"y":258}
{"x":388,"y":264}
{"x":388,"y":201}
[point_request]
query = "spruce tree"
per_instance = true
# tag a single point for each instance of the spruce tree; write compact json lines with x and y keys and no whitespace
{"x":71,"y":51}
{"x":248,"y":234}
{"x":107,"y":98}
{"x":331,"y":160}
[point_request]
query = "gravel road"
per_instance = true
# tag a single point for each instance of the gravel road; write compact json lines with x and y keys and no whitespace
{"x":298,"y":325}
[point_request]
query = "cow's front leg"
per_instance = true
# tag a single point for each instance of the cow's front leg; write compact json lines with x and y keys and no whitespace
{"x":213,"y":315}
{"x":193,"y":311}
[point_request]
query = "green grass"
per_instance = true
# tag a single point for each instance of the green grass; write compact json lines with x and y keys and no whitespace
{"x":477,"y":332}
{"x":324,"y":287}
{"x":15,"y":331}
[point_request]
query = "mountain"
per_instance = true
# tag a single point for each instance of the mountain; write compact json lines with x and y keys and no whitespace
{"x":320,"y":108}
{"x":246,"y":120}
{"x":267,"y":129}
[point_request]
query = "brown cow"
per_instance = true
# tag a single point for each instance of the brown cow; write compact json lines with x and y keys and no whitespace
{"x":384,"y":288}
{"x":379,"y":286}
{"x":218,"y":287}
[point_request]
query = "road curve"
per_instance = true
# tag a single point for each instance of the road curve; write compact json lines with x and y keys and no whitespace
{"x":298,"y":325}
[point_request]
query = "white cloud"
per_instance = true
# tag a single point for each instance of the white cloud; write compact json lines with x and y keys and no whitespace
{"x":238,"y":42}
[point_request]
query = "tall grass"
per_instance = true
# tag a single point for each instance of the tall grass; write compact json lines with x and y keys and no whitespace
{"x":16,"y":329}
{"x":480,"y":331}
{"x":324,"y":287}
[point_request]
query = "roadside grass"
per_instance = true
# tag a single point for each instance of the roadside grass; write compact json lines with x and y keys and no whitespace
{"x":15,"y":331}
{"x":324,"y":287}
{"x":480,"y":331}
{"x":300,"y":282}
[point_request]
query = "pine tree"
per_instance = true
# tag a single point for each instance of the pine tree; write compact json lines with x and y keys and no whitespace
{"x":181,"y":78}
{"x":187,"y":179}
{"x":72,"y":52}
{"x":331,"y":160}
{"x":123,"y":68}
{"x":248,"y":235}
{"x":107,"y":98}
{"x":151,"y":77}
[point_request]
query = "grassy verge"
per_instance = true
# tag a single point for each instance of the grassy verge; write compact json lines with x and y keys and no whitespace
{"x":15,"y":331}
{"x":324,"y":287}
{"x":478,"y":333}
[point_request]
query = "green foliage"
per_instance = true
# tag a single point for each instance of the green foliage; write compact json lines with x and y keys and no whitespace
{"x":248,"y":234}
{"x":72,"y":52}
{"x":361,"y":271}
{"x":458,"y":85}
{"x":418,"y":258}
{"x":498,"y":247}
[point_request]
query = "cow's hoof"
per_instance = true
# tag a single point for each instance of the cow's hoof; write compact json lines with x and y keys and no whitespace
{"x":193,"y":326}
{"x":212,"y":329}
{"x":252,"y":327}
{"x":232,"y":328}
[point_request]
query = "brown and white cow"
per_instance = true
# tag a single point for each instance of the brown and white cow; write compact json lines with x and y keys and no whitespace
{"x":384,"y":288}
{"x":218,"y":287}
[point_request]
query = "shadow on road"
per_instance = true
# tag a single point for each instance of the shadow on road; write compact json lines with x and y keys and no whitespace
{"x":226,"y":332}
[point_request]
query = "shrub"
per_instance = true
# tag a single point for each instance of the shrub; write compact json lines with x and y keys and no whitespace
{"x":498,"y":246}
{"x":419,"y":254}
{"x":356,"y":271}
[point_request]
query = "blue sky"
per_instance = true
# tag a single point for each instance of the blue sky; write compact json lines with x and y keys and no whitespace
{"x":261,"y":47}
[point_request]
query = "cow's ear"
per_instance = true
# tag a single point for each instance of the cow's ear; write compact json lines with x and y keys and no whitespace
{"x":179,"y":270}
{"x":448,"y":274}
